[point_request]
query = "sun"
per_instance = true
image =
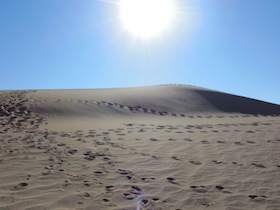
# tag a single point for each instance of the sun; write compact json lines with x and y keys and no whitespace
{"x":146,"y":19}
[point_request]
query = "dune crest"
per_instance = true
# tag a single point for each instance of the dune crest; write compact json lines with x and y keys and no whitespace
{"x":157,"y":100}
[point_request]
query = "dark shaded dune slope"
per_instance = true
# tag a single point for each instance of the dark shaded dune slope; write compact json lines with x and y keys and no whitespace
{"x":232,"y":103}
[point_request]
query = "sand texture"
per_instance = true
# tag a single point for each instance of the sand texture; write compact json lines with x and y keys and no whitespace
{"x":164,"y":147}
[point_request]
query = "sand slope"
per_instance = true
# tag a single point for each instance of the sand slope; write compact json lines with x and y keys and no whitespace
{"x":160,"y":147}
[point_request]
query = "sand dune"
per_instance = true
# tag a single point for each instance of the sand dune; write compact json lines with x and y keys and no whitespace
{"x":160,"y":147}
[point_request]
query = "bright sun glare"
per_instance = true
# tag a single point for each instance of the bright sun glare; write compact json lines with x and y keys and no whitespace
{"x":147,"y":18}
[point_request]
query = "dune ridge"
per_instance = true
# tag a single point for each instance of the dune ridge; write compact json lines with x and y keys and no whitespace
{"x":159,"y":147}
{"x":157,"y":100}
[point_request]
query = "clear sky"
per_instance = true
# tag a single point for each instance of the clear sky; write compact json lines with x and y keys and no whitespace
{"x":227,"y":45}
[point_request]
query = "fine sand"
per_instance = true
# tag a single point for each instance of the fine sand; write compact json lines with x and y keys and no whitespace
{"x":161,"y":147}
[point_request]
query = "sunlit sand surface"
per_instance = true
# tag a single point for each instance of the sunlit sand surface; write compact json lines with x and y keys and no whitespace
{"x":159,"y":147}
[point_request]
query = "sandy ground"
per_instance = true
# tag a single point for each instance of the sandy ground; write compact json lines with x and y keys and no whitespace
{"x":161,"y":147}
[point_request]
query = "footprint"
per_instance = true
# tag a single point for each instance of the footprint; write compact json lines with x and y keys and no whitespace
{"x":219,"y":187}
{"x":217,"y":162}
{"x":129,"y":124}
{"x":109,"y":188}
{"x":89,"y":156}
{"x":195,"y":162}
{"x":72,"y":151}
{"x":85,"y":195}
{"x":270,"y":141}
{"x":251,"y":142}
{"x":135,"y":190}
{"x":171,"y":180}
{"x":20,"y":186}
{"x":80,"y":203}
{"x":107,"y":202}
{"x":205,"y":142}
{"x":147,"y":179}
{"x":252,"y":196}
{"x":27,"y":177}
{"x":238,"y":143}
{"x":145,"y":202}
{"x":131,"y":179}
{"x":98,"y":172}
{"x":86,"y":183}
{"x":258,"y":199}
{"x":222,"y":189}
{"x":199,"y":189}
{"x":175,"y":158}
{"x":129,"y":196}
{"x":124,"y":172}
{"x":239,"y":164}
{"x":155,"y":199}
{"x":205,"y":203}
{"x":221,"y":142}
{"x":250,"y":131}
{"x":258,"y":165}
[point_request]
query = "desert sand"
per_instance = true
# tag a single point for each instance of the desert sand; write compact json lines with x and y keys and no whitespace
{"x":160,"y":147}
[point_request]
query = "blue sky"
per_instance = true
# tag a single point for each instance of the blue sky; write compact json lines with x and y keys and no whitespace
{"x":231,"y":46}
